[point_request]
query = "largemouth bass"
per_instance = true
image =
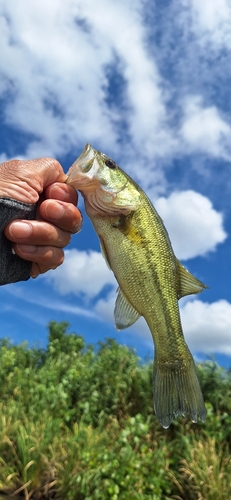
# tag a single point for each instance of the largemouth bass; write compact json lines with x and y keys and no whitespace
{"x":136,"y":246}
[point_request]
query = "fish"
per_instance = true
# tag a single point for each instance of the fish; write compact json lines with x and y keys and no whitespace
{"x":137,"y":248}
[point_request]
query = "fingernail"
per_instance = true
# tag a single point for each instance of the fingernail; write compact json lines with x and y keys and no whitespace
{"x":79,"y":224}
{"x":56,"y":191}
{"x":26,"y":248}
{"x":78,"y":227}
{"x":20,"y":229}
{"x":54,"y":210}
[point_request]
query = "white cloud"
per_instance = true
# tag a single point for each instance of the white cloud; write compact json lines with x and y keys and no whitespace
{"x":212,"y":21}
{"x":207,"y":327}
{"x":55,"y":60}
{"x":194,"y":226}
{"x":47,"y":302}
{"x":104,"y":308}
{"x":204,"y":130}
{"x":82,"y":273}
{"x":55,"y":74}
{"x":54,"y":69}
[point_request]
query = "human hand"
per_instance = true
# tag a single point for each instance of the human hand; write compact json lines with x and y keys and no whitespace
{"x":40,"y":241}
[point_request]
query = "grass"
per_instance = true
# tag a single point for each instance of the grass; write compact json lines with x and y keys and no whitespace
{"x":205,"y":473}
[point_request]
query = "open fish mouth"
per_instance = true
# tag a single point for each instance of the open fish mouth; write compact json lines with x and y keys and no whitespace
{"x":82,"y":166}
{"x":86,"y":159}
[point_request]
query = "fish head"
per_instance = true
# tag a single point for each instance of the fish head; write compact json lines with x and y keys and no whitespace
{"x":103,"y":184}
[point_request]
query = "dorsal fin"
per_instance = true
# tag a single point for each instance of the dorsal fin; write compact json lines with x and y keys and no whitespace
{"x":187,"y":283}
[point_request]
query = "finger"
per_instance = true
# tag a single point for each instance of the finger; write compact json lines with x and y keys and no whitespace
{"x":46,"y":171}
{"x":37,"y":269}
{"x":44,"y":258}
{"x":64,"y":215}
{"x":62,"y":192}
{"x":38,"y":233}
{"x":26,"y":180}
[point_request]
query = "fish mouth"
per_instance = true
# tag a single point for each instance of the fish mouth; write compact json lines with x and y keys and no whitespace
{"x":82,"y":166}
{"x":85,"y":160}
{"x":83,"y":174}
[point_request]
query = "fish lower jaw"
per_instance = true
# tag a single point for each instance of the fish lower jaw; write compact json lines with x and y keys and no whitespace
{"x":82,"y":182}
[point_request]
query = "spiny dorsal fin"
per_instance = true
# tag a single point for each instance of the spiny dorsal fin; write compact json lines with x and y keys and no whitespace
{"x":124,"y":313}
{"x":187,"y":283}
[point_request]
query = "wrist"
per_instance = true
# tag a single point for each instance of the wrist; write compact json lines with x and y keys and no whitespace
{"x":12,"y":267}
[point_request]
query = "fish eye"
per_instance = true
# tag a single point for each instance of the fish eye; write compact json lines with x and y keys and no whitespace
{"x":110,"y":163}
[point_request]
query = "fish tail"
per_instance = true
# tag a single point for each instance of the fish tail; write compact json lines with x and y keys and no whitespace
{"x":177,"y":390}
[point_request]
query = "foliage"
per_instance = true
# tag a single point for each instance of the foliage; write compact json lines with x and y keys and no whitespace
{"x":205,"y":474}
{"x":77,"y":423}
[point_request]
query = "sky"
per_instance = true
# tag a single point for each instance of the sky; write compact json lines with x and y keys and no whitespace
{"x":148,"y":83}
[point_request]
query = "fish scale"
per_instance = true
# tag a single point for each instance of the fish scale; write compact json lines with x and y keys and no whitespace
{"x":143,"y":288}
{"x":136,"y":247}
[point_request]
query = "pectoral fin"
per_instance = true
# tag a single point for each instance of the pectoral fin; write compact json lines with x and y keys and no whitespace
{"x":125,"y":314}
{"x":187,"y":283}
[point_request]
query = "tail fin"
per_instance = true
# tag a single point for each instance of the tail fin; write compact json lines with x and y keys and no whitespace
{"x":177,"y":391}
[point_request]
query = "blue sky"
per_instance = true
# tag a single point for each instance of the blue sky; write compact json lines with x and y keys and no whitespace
{"x":148,"y":83}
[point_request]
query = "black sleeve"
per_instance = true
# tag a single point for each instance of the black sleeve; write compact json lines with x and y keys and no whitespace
{"x":12,"y":267}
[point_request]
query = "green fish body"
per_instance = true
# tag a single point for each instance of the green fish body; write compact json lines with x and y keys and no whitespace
{"x":136,"y":246}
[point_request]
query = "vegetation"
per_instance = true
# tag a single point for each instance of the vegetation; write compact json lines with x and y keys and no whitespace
{"x":77,"y":423}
